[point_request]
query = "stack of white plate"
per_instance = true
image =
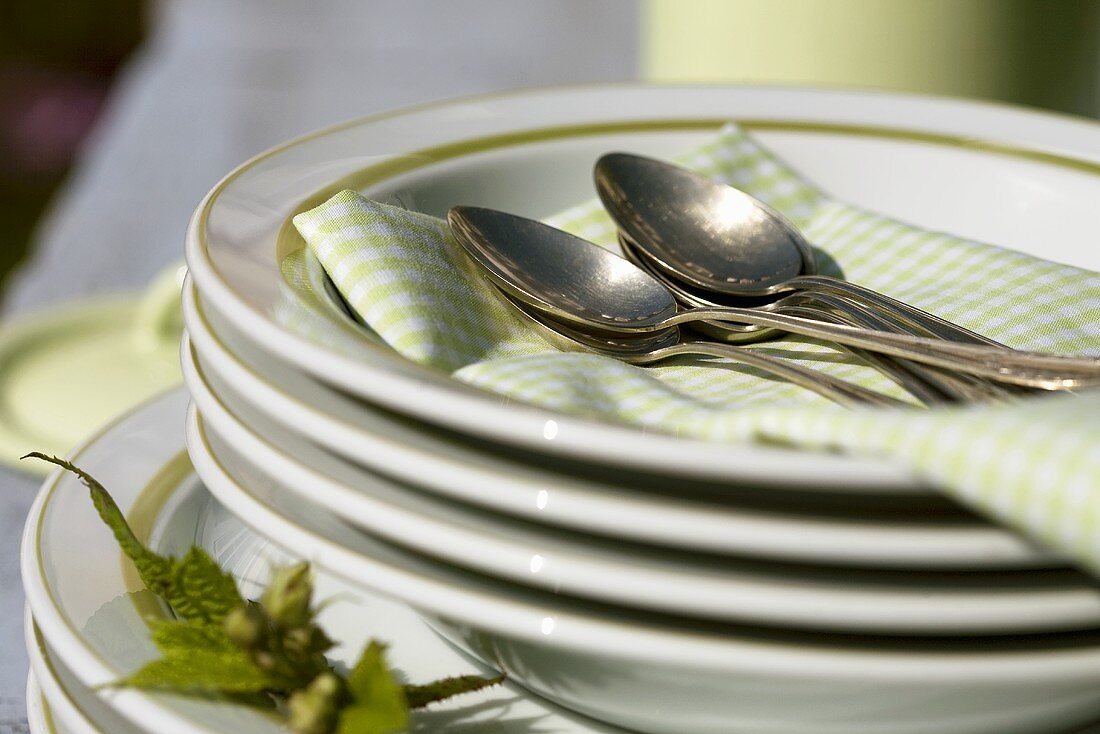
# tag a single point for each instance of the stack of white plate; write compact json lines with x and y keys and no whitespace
{"x":633,"y":578}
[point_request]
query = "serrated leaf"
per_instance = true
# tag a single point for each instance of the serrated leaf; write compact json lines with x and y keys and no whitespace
{"x":154,"y":570}
{"x":194,"y":586}
{"x":372,"y":719}
{"x":440,"y":690}
{"x":379,"y":700}
{"x":200,"y":590}
{"x":171,"y":636}
{"x":203,"y":671}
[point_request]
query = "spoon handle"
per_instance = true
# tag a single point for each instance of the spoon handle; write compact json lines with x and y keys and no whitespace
{"x":837,"y":309}
{"x":1028,"y":369}
{"x":840,"y":391}
{"x":927,"y":384}
{"x":929,"y":323}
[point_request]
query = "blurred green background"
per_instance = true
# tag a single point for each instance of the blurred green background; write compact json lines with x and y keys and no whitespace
{"x":1041,"y":53}
{"x":57,"y":60}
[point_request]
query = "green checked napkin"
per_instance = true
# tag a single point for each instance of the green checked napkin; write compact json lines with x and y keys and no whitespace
{"x":1034,"y":465}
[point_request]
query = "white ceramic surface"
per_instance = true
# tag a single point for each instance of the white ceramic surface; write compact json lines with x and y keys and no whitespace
{"x":37,"y":716}
{"x":726,"y":589}
{"x":664,"y":676}
{"x":921,"y":159}
{"x":773,"y":525}
{"x":79,"y":594}
{"x":80,"y":598}
{"x":67,"y":706}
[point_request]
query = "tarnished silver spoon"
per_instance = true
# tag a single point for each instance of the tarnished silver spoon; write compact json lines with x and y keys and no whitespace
{"x":634,"y":347}
{"x":717,"y":238}
{"x":929,"y":384}
{"x":574,"y":282}
{"x":643,"y":350}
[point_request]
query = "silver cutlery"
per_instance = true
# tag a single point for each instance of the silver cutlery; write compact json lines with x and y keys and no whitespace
{"x":701,"y":234}
{"x":595,"y":292}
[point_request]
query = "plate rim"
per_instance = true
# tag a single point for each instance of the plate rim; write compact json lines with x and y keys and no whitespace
{"x":667,"y":644}
{"x":583,"y":570}
{"x":42,"y":668}
{"x":133,"y":705}
{"x":602,"y":635}
{"x":212,"y":350}
{"x":525,"y":425}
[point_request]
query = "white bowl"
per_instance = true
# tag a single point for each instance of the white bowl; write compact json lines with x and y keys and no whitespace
{"x":79,"y":586}
{"x":637,"y":576}
{"x":38,"y":714}
{"x":910,"y":532}
{"x":94,"y":622}
{"x":1018,"y":178}
{"x":664,"y":676}
{"x":73,"y":708}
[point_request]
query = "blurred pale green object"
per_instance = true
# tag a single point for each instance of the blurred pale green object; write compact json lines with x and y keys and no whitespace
{"x":67,"y":371}
{"x":1022,"y":51}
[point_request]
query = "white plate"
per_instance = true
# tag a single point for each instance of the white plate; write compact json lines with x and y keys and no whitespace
{"x":225,"y":450}
{"x":1019,"y":178}
{"x":38,"y":714}
{"x":915,"y":534}
{"x":664,"y":676}
{"x":66,"y":708}
{"x":77,"y":590}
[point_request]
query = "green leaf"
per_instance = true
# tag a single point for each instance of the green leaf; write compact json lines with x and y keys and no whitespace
{"x":379,"y":700}
{"x":195,"y":587}
{"x":200,"y":591}
{"x":371,"y":719}
{"x":440,"y":690}
{"x":371,"y":677}
{"x":200,"y":670}
{"x":171,"y":636}
{"x":285,"y":658}
{"x":154,"y":570}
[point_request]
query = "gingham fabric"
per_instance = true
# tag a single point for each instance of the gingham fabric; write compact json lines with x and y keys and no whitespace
{"x":1034,"y":465}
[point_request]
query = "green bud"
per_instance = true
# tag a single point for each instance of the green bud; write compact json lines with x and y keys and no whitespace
{"x":315,"y":709}
{"x":287,"y":599}
{"x":246,"y":626}
{"x":264,"y":660}
{"x":299,"y":638}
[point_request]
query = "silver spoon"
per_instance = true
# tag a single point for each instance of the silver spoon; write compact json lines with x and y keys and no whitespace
{"x":729,"y":332}
{"x":928,"y":384}
{"x":575,"y":282}
{"x":645,"y":350}
{"x":641,"y":348}
{"x":718,"y":238}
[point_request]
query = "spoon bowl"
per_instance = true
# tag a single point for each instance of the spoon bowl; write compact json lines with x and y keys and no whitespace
{"x":711,"y":235}
{"x":694,"y":297}
{"x":717,"y":238}
{"x":561,"y":275}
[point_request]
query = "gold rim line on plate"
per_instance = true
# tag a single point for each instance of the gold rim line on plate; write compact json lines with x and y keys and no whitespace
{"x":148,"y":502}
{"x":41,"y":643}
{"x":47,"y":714}
{"x":142,"y":518}
{"x":288,"y":240}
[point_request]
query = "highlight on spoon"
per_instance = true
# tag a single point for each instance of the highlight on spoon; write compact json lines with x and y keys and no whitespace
{"x":563,"y":276}
{"x":700,"y":231}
